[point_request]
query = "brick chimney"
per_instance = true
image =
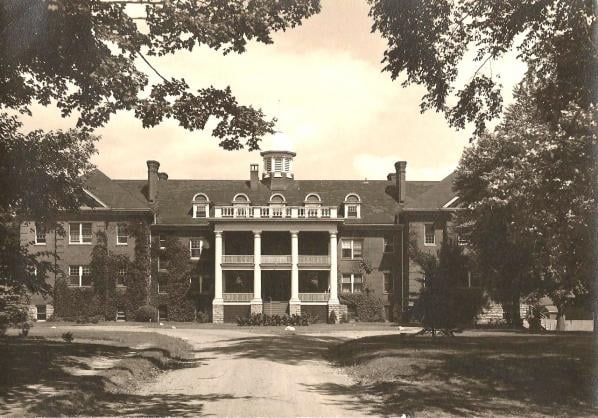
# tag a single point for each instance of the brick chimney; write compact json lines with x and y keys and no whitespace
{"x":152,"y":180}
{"x":400,"y":167}
{"x":254,"y":176}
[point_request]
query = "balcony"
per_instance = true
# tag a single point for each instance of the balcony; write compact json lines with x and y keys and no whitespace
{"x":314,"y":297}
{"x":273,"y":212}
{"x":276,"y":259}
{"x":237,"y":259}
{"x":237,"y":297}
{"x":314,"y":260}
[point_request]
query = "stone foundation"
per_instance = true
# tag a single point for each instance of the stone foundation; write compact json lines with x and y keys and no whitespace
{"x":338,"y":309}
{"x":217,"y":314}
{"x":295,"y":309}
{"x":257,"y":308}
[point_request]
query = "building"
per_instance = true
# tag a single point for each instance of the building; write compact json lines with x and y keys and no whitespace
{"x":270,"y":243}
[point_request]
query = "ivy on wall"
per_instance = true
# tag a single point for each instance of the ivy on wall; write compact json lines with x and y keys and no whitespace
{"x":105,"y":298}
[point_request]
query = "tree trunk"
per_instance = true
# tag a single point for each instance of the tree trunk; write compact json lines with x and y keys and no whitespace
{"x":516,"y":321}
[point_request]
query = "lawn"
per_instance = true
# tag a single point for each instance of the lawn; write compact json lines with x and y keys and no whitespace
{"x":44,"y":375}
{"x":476,"y":373}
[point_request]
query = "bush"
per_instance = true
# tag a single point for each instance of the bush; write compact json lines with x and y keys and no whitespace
{"x":332,"y":318}
{"x":364,"y":307}
{"x":68,"y":337}
{"x":203,"y":317}
{"x":274,"y":320}
{"x":146,"y":313}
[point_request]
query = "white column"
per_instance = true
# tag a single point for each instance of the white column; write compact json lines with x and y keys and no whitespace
{"x":333,"y":271}
{"x":257,"y":271}
{"x":294,"y":267}
{"x":218,"y":272}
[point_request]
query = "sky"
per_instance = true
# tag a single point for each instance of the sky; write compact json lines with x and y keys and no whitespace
{"x":323,"y":81}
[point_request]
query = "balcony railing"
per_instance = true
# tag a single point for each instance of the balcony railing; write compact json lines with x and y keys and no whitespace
{"x":237,"y":259}
{"x":237,"y":297}
{"x":276,"y":259}
{"x":275,"y":212}
{"x":314,"y":297}
{"x":317,"y":260}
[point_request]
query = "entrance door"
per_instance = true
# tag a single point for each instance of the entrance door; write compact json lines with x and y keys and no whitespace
{"x":276,"y":291}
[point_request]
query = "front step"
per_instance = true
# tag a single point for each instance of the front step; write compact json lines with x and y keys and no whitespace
{"x":276,"y":308}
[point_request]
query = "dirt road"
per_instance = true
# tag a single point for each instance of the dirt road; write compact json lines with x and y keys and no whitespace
{"x":249,"y":374}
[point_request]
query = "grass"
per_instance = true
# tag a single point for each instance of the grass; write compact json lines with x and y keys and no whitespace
{"x":44,"y":375}
{"x":477,"y":373}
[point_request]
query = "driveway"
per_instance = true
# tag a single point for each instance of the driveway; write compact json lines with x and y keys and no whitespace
{"x":247,"y":373}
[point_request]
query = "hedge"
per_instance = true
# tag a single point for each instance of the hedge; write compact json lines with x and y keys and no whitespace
{"x":366,"y":308}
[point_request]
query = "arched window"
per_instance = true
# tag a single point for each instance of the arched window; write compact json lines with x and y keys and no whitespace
{"x":201,"y":205}
{"x":352,"y":206}
{"x":241,"y":199}
{"x":313,"y":199}
{"x":277,"y":199}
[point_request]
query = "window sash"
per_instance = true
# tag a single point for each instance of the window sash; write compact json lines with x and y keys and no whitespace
{"x":162,"y":284}
{"x":429,"y":234}
{"x":40,"y":233}
{"x":121,"y":277}
{"x":195,"y":247}
{"x":122,"y":234}
{"x":200,"y":210}
{"x":79,"y":276}
{"x":352,"y":211}
{"x":80,"y":233}
{"x":41,"y":312}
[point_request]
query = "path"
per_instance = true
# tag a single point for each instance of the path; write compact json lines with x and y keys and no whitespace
{"x":251,"y":374}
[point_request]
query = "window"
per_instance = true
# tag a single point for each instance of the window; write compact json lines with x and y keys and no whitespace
{"x":461,"y":240}
{"x":429,"y":235}
{"x":121,"y":276}
{"x":352,"y":206}
{"x":163,"y":262}
{"x":241,"y":199}
{"x":195,"y":247}
{"x":122,"y":234}
{"x":162,"y":313}
{"x":79,"y":276}
{"x":40,"y":234}
{"x":206,"y":284}
{"x":201,"y":205}
{"x":80,"y":233}
{"x":351,"y":283}
{"x":387,"y":282}
{"x":389,"y":245}
{"x":41,"y":312}
{"x":287,"y":165}
{"x":351,"y":249}
{"x":277,"y":200}
{"x":268,"y":164}
{"x":278,"y":164}
{"x":162,"y":283}
{"x":162,"y":242}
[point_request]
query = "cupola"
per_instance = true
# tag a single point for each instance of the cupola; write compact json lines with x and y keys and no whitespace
{"x":278,"y":169}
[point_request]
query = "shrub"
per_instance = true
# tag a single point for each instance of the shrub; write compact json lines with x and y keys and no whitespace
{"x":274,"y":320}
{"x":146,"y":313}
{"x":332,"y":318}
{"x":203,"y":317}
{"x":68,"y":337}
{"x":25,"y":327}
{"x":364,"y":307}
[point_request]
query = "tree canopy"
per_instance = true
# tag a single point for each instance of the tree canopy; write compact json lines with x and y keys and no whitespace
{"x":429,"y":40}
{"x":91,"y":58}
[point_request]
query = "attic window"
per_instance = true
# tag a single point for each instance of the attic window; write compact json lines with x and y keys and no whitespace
{"x":241,"y":199}
{"x":277,"y":200}
{"x":352,"y":205}
{"x":313,"y":199}
{"x":201,"y":205}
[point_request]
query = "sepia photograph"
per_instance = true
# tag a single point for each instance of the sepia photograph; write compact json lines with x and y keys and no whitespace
{"x":299,"y":208}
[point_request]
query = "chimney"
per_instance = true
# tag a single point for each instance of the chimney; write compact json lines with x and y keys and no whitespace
{"x":152,"y":180}
{"x":254,"y":176}
{"x":162,"y":176}
{"x":400,"y":167}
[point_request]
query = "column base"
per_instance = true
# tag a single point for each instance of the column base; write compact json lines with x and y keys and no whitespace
{"x":256,"y":306}
{"x":217,"y":312}
{"x":295,"y":308}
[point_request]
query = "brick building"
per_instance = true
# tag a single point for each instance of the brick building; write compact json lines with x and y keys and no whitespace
{"x":269,"y":243}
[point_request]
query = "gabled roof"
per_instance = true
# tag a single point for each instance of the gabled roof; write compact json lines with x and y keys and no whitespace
{"x":436,"y":196}
{"x":110,"y":193}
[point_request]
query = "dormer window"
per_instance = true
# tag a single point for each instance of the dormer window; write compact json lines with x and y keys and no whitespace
{"x":241,"y":199}
{"x":352,"y":206}
{"x":277,"y":200}
{"x":201,"y":206}
{"x":313,"y":200}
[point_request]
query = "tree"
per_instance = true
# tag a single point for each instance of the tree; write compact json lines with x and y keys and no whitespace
{"x":86,"y":58}
{"x":444,"y":304}
{"x":428,"y":40}
{"x":529,"y":192}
